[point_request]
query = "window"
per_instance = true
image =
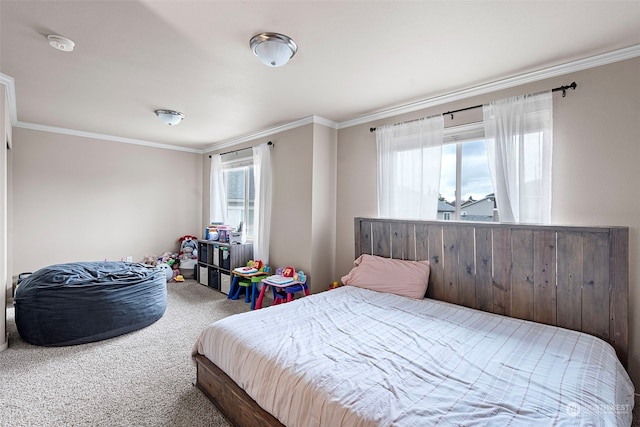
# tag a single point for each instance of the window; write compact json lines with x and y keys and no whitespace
{"x":240,"y":189}
{"x":408,"y":166}
{"x":465,"y":172}
{"x":514,"y":138}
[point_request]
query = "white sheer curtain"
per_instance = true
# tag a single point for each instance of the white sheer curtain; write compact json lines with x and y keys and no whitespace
{"x":409,"y":156}
{"x":218,"y":194}
{"x":262,"y":204}
{"x":519,"y":134}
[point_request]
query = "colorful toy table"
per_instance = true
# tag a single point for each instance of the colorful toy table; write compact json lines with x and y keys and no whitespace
{"x":289,"y":288}
{"x":250,"y":280}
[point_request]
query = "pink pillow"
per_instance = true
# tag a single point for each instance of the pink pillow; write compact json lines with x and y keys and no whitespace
{"x":406,"y":278}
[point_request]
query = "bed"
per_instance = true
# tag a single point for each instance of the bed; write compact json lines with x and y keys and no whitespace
{"x":82,"y":302}
{"x":522,"y":325}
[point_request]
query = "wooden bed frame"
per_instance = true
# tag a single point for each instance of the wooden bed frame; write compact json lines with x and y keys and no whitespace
{"x":572,"y":277}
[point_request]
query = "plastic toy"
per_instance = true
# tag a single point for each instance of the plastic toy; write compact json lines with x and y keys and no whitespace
{"x":288,"y":272}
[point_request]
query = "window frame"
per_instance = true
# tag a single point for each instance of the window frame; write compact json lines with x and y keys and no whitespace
{"x":459,"y":135}
{"x":241,"y":160}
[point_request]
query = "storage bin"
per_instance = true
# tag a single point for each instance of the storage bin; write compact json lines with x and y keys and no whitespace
{"x":225,"y":259}
{"x":186,"y":268}
{"x":225,"y":283}
{"x":213,"y":279}
{"x":202,"y":253}
{"x":203,"y":276}
{"x":216,"y":255}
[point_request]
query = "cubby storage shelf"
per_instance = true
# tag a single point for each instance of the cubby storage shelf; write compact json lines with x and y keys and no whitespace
{"x":216,"y":260}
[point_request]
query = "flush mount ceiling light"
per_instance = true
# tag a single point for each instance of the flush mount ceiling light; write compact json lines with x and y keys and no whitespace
{"x":169,"y":117}
{"x":273,"y":49}
{"x":60,"y":43}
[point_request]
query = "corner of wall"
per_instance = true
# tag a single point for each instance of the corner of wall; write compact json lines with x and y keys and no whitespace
{"x":323,"y":221}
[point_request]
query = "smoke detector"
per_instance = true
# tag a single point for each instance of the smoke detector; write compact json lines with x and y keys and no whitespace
{"x":61,"y":43}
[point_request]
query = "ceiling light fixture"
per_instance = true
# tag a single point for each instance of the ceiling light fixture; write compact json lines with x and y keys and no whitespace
{"x":61,"y":43}
{"x":169,"y":117}
{"x":273,"y":49}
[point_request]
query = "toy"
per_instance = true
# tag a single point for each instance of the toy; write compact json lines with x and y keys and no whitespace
{"x":288,"y":272}
{"x":211,"y":232}
{"x":189,"y":253}
{"x":176,"y":271}
{"x":188,"y":241}
{"x":188,"y":247}
{"x":167,"y":258}
{"x":166,"y":269}
{"x":150,"y":260}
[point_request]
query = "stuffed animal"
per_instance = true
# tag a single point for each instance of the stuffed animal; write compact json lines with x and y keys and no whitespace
{"x":168,"y":258}
{"x":188,"y":247}
{"x":189,"y":253}
{"x":150,"y":260}
{"x":166,"y":269}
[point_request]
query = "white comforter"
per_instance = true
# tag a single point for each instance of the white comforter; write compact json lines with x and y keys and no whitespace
{"x":354,"y":357}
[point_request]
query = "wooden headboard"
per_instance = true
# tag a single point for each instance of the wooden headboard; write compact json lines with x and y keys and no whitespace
{"x":572,"y":277}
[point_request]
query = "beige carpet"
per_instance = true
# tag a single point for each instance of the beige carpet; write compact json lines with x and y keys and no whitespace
{"x":143,"y":378}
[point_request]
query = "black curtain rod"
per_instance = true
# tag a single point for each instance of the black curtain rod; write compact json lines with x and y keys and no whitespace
{"x":235,"y":151}
{"x":564,"y":89}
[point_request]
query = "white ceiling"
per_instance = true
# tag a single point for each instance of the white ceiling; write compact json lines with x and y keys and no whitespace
{"x":355,"y":58}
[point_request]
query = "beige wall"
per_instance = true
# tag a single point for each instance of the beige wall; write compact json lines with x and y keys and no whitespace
{"x":596,"y":165}
{"x":291,"y":158}
{"x":291,"y":205}
{"x":324,"y":207}
{"x":80,"y":199}
{"x":303,"y":203}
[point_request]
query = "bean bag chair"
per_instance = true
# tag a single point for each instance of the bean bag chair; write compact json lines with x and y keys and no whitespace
{"x":77,"y":303}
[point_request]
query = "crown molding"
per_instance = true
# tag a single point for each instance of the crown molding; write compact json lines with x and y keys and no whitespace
{"x":546,"y":73}
{"x":103,"y":137}
{"x":326,"y":122}
{"x":10,"y":84}
{"x":271,"y":131}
